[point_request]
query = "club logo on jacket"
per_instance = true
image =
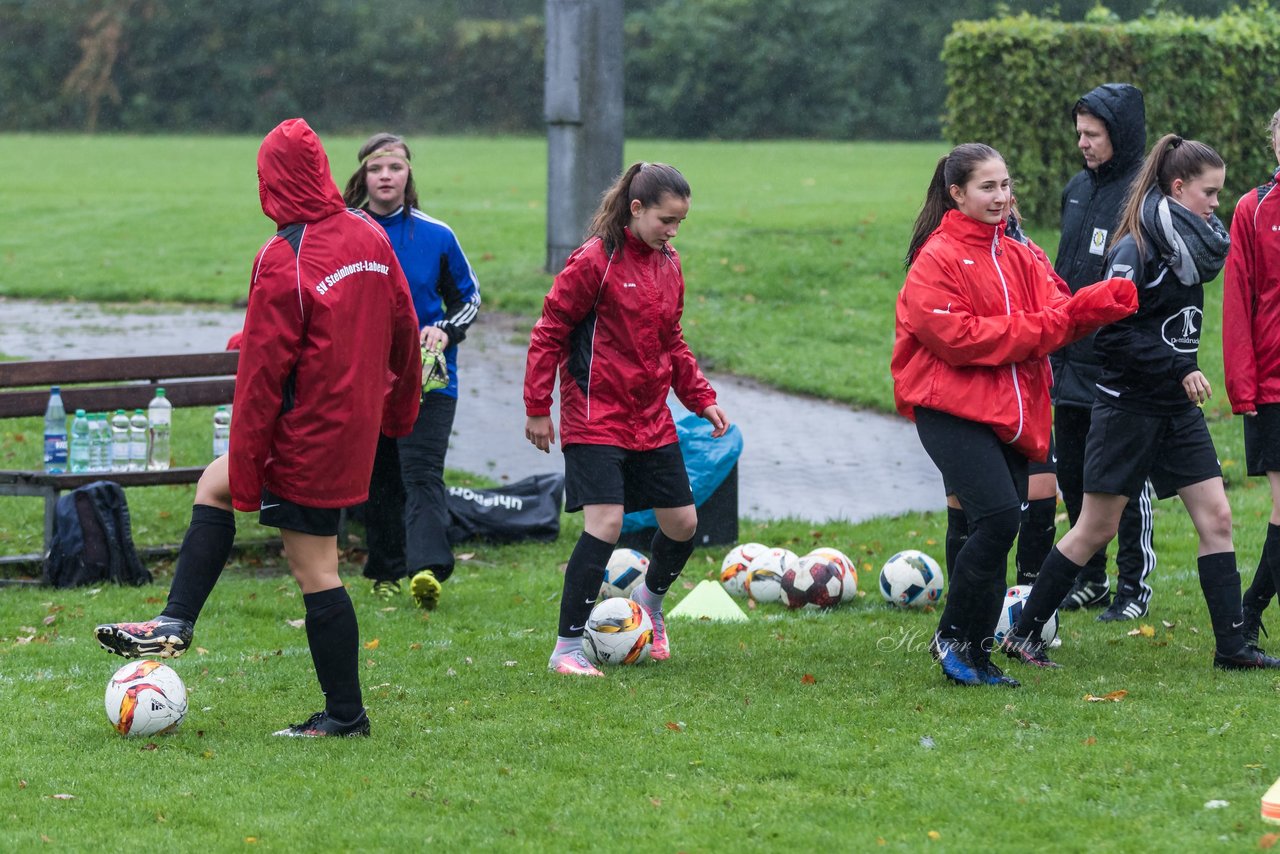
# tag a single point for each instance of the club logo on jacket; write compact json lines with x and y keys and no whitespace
{"x":1098,"y":243}
{"x":1182,"y":330}
{"x":342,"y":272}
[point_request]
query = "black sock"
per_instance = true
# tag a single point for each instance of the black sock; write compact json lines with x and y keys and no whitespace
{"x":957,"y":534}
{"x":1263,"y":588}
{"x":669,"y":558}
{"x":334,"y":638}
{"x":979,"y":562}
{"x":1055,"y":578}
{"x":204,"y":552}
{"x":582,"y":579}
{"x":1220,"y":582}
{"x":1035,"y":538}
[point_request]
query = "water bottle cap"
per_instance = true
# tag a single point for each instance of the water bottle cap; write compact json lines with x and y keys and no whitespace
{"x":53,"y":389}
{"x":159,"y":392}
{"x":79,"y":413}
{"x":119,"y":412}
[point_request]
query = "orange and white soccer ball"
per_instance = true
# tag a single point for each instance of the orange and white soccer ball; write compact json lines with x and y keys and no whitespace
{"x":618,"y":631}
{"x":764,"y":574}
{"x":146,"y":698}
{"x":733,"y":569}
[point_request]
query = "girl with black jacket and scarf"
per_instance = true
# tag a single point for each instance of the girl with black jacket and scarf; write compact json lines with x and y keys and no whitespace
{"x":1146,"y":422}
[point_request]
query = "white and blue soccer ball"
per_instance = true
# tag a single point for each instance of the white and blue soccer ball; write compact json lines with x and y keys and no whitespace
{"x":623,"y":573}
{"x":911,"y":579}
{"x":145,"y":698}
{"x":1014,"y":598}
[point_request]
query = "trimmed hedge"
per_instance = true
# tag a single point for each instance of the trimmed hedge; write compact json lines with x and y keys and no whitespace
{"x":1012,"y":82}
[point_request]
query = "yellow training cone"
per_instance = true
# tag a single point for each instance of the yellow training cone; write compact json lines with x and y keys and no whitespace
{"x":709,"y":601}
{"x":1271,"y":804}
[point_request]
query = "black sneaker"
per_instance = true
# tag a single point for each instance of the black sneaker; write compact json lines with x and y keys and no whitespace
{"x":990,"y":674}
{"x":1123,"y":608}
{"x":1086,"y":594}
{"x":1249,"y":658}
{"x":1252,"y":625}
{"x":953,"y":656}
{"x":1027,"y":650}
{"x":163,"y":637}
{"x":320,"y":725}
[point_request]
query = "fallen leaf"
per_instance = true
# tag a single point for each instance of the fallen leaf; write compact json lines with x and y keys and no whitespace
{"x":1167,"y":624}
{"x":201,"y":651}
{"x":451,"y":672}
{"x":150,"y":745}
{"x":1147,"y":631}
{"x":22,"y":784}
{"x":1268,"y":840}
{"x":510,"y":663}
{"x":1133,"y":633}
{"x":63,"y":797}
{"x":49,"y":620}
{"x":935,"y":835}
{"x":675,"y":726}
{"x":927,"y":742}
{"x":1090,"y":741}
{"x":807,"y":679}
{"x":296,"y":624}
{"x":250,"y":840}
{"x":1216,"y":804}
{"x":657,"y":802}
{"x":415,"y":645}
{"x":373,"y":644}
{"x":1113,"y":697}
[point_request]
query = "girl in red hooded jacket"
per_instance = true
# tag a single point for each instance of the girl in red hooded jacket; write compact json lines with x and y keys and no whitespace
{"x":328,"y":358}
{"x":610,"y":327}
{"x":1251,"y":359}
{"x":976,"y":319}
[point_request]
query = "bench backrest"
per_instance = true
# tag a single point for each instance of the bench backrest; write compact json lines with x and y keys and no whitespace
{"x":192,"y":379}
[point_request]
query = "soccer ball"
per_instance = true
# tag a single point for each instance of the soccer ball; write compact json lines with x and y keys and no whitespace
{"x":1014,"y":598}
{"x":146,"y":698}
{"x":733,"y":569}
{"x":850,"y":571}
{"x":814,"y":582}
{"x":764,"y":574}
{"x":911,"y":579}
{"x":623,"y":573}
{"x":618,"y":631}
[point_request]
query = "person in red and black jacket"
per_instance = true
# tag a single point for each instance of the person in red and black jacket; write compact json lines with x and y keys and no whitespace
{"x":1251,"y":360}
{"x":977,"y":318}
{"x":328,"y":358}
{"x":610,"y":327}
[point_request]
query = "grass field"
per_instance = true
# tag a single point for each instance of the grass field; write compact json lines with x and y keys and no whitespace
{"x":789,"y":732}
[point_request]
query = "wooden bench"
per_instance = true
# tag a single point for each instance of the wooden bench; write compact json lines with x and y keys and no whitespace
{"x":105,"y":385}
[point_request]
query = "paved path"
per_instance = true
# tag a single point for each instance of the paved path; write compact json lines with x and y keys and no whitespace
{"x":803,"y":458}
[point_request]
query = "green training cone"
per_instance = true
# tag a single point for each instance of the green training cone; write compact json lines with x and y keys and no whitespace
{"x":709,"y":601}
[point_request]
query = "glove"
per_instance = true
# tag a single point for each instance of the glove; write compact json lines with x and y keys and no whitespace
{"x":1102,"y":303}
{"x":435,"y":371}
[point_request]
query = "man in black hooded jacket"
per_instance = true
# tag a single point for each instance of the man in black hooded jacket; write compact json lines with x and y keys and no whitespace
{"x":1111,"y":128}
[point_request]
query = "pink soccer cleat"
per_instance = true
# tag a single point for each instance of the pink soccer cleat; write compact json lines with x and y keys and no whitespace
{"x":573,"y":664}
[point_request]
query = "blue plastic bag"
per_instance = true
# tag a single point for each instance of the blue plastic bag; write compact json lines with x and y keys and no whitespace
{"x":707,"y":460}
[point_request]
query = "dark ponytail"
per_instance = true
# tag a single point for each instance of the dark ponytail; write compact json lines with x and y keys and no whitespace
{"x":952,"y":169}
{"x":643,"y":182}
{"x":1172,"y":157}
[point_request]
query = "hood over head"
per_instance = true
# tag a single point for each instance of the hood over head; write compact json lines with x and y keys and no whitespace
{"x":294,"y":181}
{"x":1122,"y":110}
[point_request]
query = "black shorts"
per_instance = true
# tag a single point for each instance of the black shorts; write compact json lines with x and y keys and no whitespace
{"x":985,"y":474}
{"x":1125,"y":448}
{"x":277,"y":512}
{"x":1262,"y":440}
{"x":638,"y":480}
{"x":1049,"y":466}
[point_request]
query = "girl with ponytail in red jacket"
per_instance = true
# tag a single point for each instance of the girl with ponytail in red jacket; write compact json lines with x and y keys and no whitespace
{"x":977,"y":318}
{"x":610,"y":327}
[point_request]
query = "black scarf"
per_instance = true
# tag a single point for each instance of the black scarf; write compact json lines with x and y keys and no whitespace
{"x":1194,"y":249}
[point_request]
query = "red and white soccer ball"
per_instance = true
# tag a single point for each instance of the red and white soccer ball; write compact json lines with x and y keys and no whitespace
{"x":733,"y":569}
{"x":911,"y":579}
{"x":814,"y":582}
{"x":1014,"y":598}
{"x":618,"y":631}
{"x":623,"y":573}
{"x":846,"y":565}
{"x":764,"y":574}
{"x":145,"y":698}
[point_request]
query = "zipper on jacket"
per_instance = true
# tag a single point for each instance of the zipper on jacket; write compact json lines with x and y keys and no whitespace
{"x":1008,"y":310}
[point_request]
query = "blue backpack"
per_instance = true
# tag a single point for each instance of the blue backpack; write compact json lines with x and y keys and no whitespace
{"x":93,"y":539}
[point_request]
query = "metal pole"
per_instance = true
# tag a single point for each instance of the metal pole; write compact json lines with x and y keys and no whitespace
{"x":584,"y":116}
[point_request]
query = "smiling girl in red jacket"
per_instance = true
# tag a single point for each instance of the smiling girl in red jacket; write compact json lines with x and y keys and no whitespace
{"x":1251,"y":359}
{"x":977,"y":318}
{"x":610,"y":327}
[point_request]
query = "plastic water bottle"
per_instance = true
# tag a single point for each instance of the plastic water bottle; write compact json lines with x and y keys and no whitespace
{"x":99,"y":443}
{"x":221,"y":431}
{"x":79,"y":452}
{"x":138,"y":441}
{"x":120,"y":441}
{"x":159,"y":427}
{"x":55,"y":433}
